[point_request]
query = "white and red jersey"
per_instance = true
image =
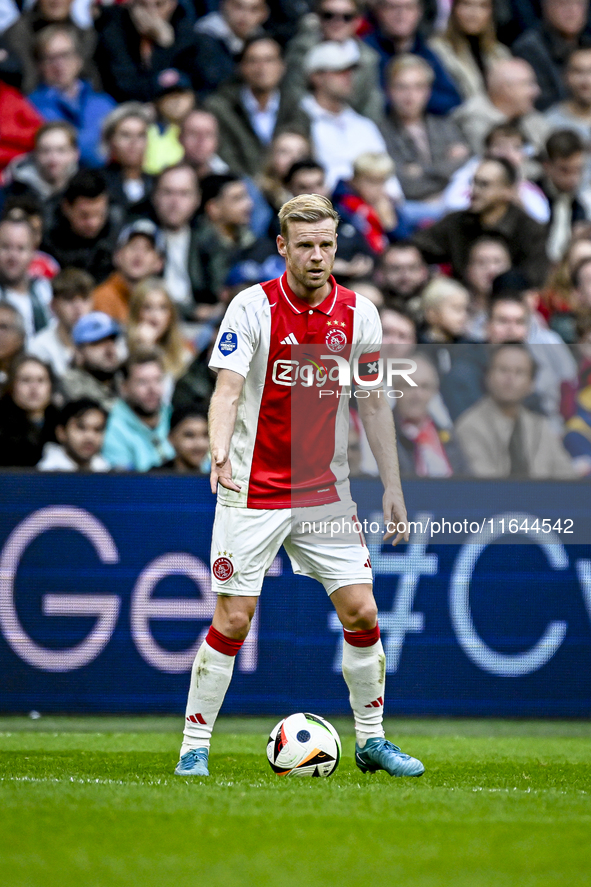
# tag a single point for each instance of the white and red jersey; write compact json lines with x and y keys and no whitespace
{"x":289,"y":447}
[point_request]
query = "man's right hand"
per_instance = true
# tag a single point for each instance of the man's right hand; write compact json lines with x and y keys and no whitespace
{"x":221,"y":472}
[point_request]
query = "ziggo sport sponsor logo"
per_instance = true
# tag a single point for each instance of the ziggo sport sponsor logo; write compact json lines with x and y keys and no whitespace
{"x":290,"y":372}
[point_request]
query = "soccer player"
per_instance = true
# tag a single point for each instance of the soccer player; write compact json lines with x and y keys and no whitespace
{"x":271,"y":473}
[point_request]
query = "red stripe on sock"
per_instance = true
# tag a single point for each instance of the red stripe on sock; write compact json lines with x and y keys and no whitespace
{"x":362,"y":638}
{"x":221,"y":643}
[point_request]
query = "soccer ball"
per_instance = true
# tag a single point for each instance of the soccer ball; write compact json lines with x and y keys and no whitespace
{"x":304,"y":745}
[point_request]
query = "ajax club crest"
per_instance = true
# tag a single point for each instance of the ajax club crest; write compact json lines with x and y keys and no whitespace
{"x":336,"y":340}
{"x":222,"y":568}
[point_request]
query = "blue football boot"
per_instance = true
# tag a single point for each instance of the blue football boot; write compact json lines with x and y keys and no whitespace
{"x":193,"y":763}
{"x":380,"y":754}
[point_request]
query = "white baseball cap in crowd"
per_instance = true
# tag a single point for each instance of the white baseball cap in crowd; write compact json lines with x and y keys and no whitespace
{"x":332,"y":56}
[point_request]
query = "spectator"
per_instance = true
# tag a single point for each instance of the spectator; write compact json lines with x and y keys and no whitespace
{"x":80,"y":432}
{"x":511,"y":93}
{"x":29,"y":209}
{"x":492,"y":211}
{"x":306,"y":177}
{"x":339,"y":134}
{"x":95,"y":370}
{"x":71,"y":300}
{"x":224,"y":235}
{"x":199,"y":139}
{"x":286,"y":148}
{"x":46,"y":171}
{"x":221,"y":36}
{"x":365,"y":203}
{"x":85,"y":227}
{"x":504,"y":140}
{"x":577,"y":405}
{"x":173,"y":101}
{"x":62,"y":95}
{"x":139,"y":254}
{"x":26,"y":293}
{"x":136,"y":438}
{"x":398,"y":329}
{"x":176,"y":198}
{"x":563,"y":172}
{"x":139,"y":40}
{"x":402,"y":274}
{"x":20,"y":38}
{"x":18,"y":124}
{"x":12,"y":340}
{"x":368,"y":289}
{"x":397,"y":31}
{"x":251,"y":112}
{"x":424,"y":449}
{"x":27,"y":414}
{"x":557,"y":302}
{"x":575,"y":111}
{"x":582,"y":286}
{"x":153,"y":323}
{"x":125,"y":135}
{"x":426,"y":148}
{"x":338,"y":21}
{"x":444,"y":303}
{"x":488,"y":257}
{"x":189,"y":438}
{"x":501,"y":437}
{"x":469,"y":45}
{"x":546,"y":45}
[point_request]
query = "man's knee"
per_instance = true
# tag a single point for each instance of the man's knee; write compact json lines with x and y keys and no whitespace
{"x":361,"y":616}
{"x":233,"y":616}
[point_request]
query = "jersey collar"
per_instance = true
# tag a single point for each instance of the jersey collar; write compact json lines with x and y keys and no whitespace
{"x":299,"y":306}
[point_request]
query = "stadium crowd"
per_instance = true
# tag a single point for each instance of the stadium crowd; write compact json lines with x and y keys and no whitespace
{"x":146,"y":147}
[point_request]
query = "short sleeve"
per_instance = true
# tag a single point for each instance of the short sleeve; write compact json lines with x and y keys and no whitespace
{"x":237,"y":339}
{"x":368,"y":343}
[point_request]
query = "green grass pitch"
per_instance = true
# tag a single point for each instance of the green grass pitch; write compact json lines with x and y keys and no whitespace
{"x":92,"y":802}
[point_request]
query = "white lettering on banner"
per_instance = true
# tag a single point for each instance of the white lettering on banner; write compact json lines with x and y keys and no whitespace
{"x":104,"y":606}
{"x":583,"y":568}
{"x":506,"y":665}
{"x":410,"y":566}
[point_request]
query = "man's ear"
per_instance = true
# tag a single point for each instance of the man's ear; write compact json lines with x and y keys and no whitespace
{"x":281,"y":245}
{"x":60,"y":433}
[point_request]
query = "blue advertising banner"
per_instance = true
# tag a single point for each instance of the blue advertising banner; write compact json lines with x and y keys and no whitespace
{"x":105,"y":596}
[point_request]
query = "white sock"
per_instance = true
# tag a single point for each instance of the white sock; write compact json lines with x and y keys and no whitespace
{"x":364,"y":671}
{"x":210,"y":678}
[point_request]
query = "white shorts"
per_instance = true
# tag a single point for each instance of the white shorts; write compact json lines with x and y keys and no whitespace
{"x":324,"y":542}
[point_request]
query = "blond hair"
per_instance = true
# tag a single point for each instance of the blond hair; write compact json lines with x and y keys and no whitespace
{"x":373,"y":163}
{"x":172,"y":346}
{"x":306,"y":208}
{"x":406,"y":62}
{"x":439,"y":289}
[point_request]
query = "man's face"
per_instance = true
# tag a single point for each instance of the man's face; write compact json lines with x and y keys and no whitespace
{"x":87,"y":215}
{"x":234,"y":205}
{"x":83,"y":436}
{"x":128,"y":142}
{"x":568,"y":17}
{"x":60,"y":62}
{"x":138,"y":259}
{"x":409,"y":93}
{"x":489,"y":188}
{"x":55,"y":156}
{"x":509,"y":378}
{"x":262,"y":66}
{"x":244,"y":16}
{"x":509,"y":147}
{"x":337,"y":85}
{"x":451,"y":314}
{"x":583,"y":290}
{"x":404,"y":272}
{"x":338,"y":20}
{"x":101,"y":356}
{"x":32,"y":387}
{"x":308,"y":181}
{"x":566,"y":173}
{"x":199,"y":137}
{"x":578,"y":76}
{"x":190,"y":441}
{"x":371,"y":189}
{"x":310,"y":251}
{"x":487,"y":261}
{"x":398,"y":19}
{"x":521,"y":89}
{"x":397,"y":329}
{"x":162,"y":9}
{"x":144,"y":388}
{"x":54,"y":10}
{"x":176,"y":198}
{"x":414,"y":403}
{"x":508,"y":323}
{"x":11,"y":339}
{"x":16,"y":251}
{"x":69,"y":311}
